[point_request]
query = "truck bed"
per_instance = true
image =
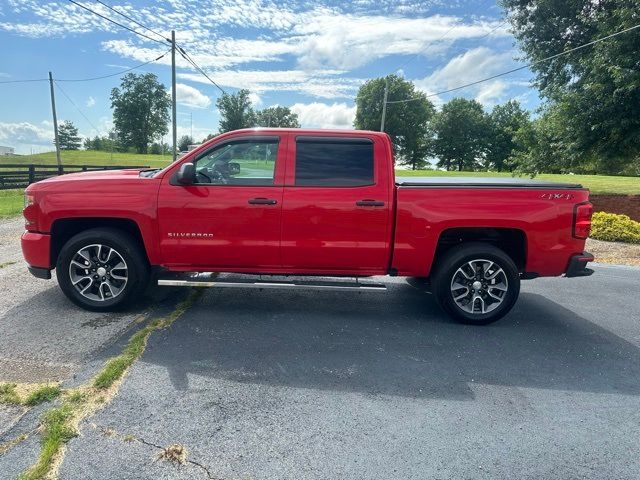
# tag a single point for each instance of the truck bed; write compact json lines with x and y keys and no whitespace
{"x":485,"y":182}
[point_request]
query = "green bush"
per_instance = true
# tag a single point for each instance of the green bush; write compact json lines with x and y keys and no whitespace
{"x":615,"y":228}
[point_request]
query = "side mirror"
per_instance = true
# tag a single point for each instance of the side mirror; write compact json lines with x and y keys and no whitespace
{"x":186,"y":174}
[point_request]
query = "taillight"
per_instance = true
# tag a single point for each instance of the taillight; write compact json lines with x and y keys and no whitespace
{"x":582,"y":220}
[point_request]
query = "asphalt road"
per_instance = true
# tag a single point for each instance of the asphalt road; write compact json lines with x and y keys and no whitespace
{"x":306,"y":385}
{"x":287,"y":385}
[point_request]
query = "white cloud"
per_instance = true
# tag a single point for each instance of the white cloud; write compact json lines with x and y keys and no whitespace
{"x":314,"y":34}
{"x":191,"y":97}
{"x":12,"y":134}
{"x":492,"y":93}
{"x":317,"y":83}
{"x":475,"y":64}
{"x":322,"y":115}
{"x":256,"y":100}
{"x":90,"y":102}
{"x":350,"y":41}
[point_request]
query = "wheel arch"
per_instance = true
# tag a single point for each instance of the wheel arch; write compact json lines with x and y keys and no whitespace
{"x":65,"y":228}
{"x":512,"y":241}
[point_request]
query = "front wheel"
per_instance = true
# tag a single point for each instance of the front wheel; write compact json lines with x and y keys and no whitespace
{"x":102,"y":269}
{"x":476,"y":283}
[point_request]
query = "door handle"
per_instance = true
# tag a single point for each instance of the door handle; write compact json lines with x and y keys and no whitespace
{"x":369,"y":203}
{"x":262,"y":201}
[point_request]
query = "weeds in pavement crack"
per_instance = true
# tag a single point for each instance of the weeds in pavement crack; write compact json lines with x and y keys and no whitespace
{"x":61,"y":424}
{"x":174,"y":453}
{"x":27,"y":394}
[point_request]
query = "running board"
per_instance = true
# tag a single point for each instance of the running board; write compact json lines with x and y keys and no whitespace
{"x":212,"y":280}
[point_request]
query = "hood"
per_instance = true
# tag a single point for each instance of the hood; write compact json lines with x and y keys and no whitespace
{"x":95,"y":176}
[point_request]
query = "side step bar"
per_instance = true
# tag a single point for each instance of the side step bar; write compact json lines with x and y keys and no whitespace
{"x":212,"y":280}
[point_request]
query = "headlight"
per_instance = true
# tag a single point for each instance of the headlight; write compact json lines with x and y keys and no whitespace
{"x":28,"y":200}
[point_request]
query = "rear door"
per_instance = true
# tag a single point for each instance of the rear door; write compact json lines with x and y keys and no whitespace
{"x":230,"y":218}
{"x":336,"y":205}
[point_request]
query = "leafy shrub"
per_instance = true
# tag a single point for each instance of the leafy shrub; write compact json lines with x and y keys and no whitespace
{"x":615,"y":228}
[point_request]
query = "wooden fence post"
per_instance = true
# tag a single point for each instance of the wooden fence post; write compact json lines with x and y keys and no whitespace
{"x":32,"y":173}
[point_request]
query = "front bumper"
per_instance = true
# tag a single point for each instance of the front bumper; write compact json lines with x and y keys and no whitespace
{"x":578,"y":265}
{"x":36,"y":249}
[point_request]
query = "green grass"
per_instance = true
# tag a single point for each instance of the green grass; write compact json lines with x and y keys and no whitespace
{"x":92,"y":157}
{"x":8,"y":394}
{"x":595,"y":183}
{"x":43,"y":394}
{"x":11,"y":202}
{"x":56,"y":431}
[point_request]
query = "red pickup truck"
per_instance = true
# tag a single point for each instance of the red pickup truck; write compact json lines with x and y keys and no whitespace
{"x":318,"y":204}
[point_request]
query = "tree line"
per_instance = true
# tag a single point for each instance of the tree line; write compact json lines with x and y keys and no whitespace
{"x":589,"y":121}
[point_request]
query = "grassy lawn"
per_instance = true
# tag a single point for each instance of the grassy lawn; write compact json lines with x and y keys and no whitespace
{"x":91,"y":157}
{"x":11,"y":203}
{"x":596,"y":183}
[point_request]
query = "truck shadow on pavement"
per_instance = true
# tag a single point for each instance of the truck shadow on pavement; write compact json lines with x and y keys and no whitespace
{"x":395,"y":344}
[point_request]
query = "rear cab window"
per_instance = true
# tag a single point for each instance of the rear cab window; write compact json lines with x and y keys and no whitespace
{"x":334,"y":162}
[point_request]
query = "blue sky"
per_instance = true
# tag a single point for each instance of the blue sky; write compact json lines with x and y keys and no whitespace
{"x":310,"y":56}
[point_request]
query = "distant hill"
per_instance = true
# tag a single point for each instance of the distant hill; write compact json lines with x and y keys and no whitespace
{"x":91,"y":157}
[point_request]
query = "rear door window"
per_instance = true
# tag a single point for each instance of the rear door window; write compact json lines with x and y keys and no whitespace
{"x":334,"y":162}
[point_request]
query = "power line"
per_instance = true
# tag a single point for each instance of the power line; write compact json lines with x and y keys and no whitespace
{"x":114,"y":74}
{"x":519,"y":68}
{"x":77,"y":108}
{"x":26,"y":81}
{"x":87,"y":79}
{"x":116,"y":23}
{"x":188,"y":58}
{"x":133,"y":20}
{"x":184,"y":54}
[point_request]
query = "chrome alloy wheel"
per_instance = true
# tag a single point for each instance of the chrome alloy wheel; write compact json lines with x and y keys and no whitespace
{"x":479,"y":286}
{"x":98,"y":272}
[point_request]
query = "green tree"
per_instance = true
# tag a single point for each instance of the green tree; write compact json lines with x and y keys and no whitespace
{"x":209,"y":137}
{"x":460,"y":135}
{"x":184,"y":142}
{"x":277,"y":116}
{"x":235,"y":111}
{"x":598,"y":87}
{"x":545,"y":146}
{"x":505,"y":121}
{"x":68,"y":136}
{"x":140,"y":110}
{"x":407,"y":123}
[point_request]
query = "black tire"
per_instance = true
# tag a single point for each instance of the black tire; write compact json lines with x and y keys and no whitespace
{"x":137,"y":268}
{"x":447,"y":275}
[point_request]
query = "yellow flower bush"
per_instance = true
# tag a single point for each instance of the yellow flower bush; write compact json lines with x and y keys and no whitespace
{"x":615,"y":228}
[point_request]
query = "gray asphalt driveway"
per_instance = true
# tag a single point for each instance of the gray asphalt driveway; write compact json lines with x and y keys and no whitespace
{"x":285,"y":385}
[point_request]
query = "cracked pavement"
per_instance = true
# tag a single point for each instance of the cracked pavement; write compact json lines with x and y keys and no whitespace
{"x":314,"y":385}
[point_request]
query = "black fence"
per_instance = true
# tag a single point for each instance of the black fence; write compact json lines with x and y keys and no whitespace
{"x":16,"y":175}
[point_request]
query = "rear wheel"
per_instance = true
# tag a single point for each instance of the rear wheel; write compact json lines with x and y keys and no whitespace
{"x":102,"y":269}
{"x":476,"y":283}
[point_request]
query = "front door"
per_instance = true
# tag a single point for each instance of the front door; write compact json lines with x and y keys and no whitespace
{"x":230,"y":218}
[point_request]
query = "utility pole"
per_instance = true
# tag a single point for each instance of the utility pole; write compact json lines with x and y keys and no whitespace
{"x":384,"y":104}
{"x":191,"y":113}
{"x":55,"y":124}
{"x":173,"y":94}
